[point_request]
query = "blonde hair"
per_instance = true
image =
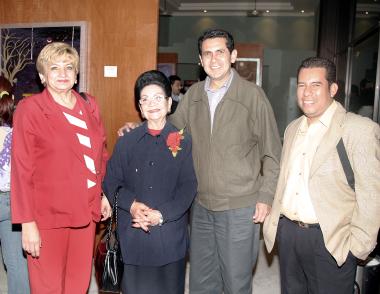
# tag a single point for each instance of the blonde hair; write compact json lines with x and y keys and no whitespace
{"x":53,"y":50}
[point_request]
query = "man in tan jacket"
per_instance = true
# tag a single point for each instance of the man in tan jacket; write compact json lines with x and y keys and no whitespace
{"x":321,"y":224}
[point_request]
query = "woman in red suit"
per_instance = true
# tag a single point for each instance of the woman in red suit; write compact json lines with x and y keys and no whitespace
{"x":58,"y":162}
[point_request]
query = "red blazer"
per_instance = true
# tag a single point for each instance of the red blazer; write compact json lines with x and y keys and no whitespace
{"x":48,"y":173}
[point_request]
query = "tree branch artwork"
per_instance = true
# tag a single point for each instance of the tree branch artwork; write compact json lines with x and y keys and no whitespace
{"x":15,"y":55}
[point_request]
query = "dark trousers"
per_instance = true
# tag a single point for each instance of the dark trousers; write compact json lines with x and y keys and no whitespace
{"x":166,"y":279}
{"x":223,"y":250}
{"x":306,"y":267}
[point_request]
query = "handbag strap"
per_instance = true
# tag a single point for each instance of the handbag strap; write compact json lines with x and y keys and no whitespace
{"x":114,"y":208}
{"x":346,"y":164}
{"x":84,"y":96}
{"x":114,"y":215}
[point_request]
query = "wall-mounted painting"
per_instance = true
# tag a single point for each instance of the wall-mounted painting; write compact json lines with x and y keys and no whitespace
{"x":20,"y":45}
{"x":250,"y":69}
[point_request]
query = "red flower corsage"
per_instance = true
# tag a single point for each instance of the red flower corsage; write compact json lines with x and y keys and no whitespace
{"x":174,"y":142}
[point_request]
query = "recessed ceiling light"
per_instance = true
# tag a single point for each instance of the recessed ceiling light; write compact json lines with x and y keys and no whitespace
{"x":267,"y":11}
{"x":205,"y":11}
{"x":302,"y":11}
{"x":366,"y":13}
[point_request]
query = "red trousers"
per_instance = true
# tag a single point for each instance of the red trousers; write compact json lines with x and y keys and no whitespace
{"x":65,"y":261}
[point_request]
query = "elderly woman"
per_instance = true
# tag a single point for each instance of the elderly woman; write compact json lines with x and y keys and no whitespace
{"x":10,"y":235}
{"x":58,"y":162}
{"x":152,"y":168}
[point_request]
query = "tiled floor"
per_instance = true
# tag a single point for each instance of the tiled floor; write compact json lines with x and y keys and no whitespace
{"x":266,"y":278}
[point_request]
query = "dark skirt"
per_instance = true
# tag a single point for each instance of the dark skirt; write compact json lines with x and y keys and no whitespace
{"x":166,"y":279}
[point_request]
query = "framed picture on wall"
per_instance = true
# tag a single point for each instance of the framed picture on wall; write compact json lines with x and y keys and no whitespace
{"x":250,"y":69}
{"x":167,"y":68}
{"x":20,"y":45}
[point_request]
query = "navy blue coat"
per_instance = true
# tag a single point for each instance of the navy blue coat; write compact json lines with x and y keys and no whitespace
{"x":146,"y":170}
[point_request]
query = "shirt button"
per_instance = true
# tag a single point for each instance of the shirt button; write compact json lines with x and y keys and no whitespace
{"x":151,"y":163}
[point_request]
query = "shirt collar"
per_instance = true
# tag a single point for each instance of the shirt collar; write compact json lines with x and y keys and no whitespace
{"x":144,"y":131}
{"x":325,"y":118}
{"x":225,"y":85}
{"x":175,"y":97}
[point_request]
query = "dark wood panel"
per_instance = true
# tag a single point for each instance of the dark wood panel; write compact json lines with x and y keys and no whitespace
{"x":166,"y":57}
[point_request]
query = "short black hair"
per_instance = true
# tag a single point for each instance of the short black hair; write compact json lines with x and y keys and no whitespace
{"x":216,"y":33}
{"x":152,"y":77}
{"x":314,"y":62}
{"x":174,"y":78}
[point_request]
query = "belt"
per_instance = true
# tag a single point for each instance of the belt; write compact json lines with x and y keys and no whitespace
{"x":301,"y":224}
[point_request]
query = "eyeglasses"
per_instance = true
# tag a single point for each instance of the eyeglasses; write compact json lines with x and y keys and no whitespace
{"x":155,"y":98}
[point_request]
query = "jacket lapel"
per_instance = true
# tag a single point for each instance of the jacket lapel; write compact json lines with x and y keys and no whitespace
{"x":59,"y":124}
{"x":329,"y":140}
{"x":93,"y":125}
{"x":289,"y":143}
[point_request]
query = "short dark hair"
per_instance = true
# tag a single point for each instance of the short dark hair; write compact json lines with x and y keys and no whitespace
{"x":314,"y":62}
{"x":152,"y":77}
{"x":216,"y":33}
{"x":174,"y":78}
{"x":7,"y":107}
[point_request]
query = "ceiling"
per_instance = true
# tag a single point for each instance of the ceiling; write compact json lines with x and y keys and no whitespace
{"x":244,"y":7}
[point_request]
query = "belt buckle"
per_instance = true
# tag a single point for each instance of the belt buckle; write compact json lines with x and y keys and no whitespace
{"x":303,"y":225}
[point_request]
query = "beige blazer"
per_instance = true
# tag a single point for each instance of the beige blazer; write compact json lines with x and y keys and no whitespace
{"x":349,"y":220}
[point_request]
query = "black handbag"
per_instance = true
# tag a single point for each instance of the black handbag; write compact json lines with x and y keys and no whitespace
{"x":108,"y":261}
